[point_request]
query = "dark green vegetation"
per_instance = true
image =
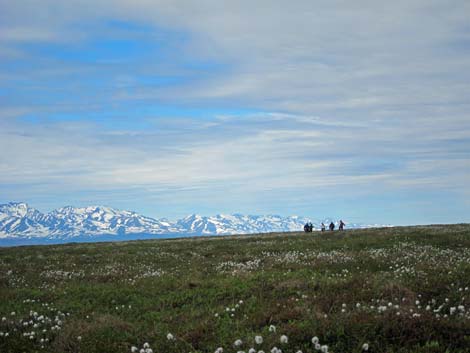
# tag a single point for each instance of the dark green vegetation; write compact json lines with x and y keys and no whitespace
{"x":396,"y":289}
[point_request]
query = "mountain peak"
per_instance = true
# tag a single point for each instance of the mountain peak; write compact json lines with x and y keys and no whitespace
{"x":18,"y":209}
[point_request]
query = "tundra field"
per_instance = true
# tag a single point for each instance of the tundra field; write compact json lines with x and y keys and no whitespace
{"x":404,"y":289}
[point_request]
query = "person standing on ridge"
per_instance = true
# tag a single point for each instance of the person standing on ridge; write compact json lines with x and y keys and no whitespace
{"x":332,"y":226}
{"x":323,"y":227}
{"x":341,"y":224}
{"x":306,"y":227}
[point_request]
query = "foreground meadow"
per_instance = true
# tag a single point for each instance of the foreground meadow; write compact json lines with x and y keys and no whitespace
{"x":378,"y":290}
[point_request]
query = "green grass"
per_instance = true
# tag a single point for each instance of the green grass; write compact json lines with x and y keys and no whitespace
{"x":397,"y":289}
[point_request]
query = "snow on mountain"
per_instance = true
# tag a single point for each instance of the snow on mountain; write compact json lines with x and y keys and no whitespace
{"x":20,"y":221}
{"x":97,"y":220}
{"x":239,"y":224}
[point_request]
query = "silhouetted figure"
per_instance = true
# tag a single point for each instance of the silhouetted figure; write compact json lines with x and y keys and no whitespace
{"x":323,"y":227}
{"x":306,"y":228}
{"x":341,"y":225}
{"x":332,"y":226}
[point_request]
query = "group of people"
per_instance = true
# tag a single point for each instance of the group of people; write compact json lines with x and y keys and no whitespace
{"x":308,"y":227}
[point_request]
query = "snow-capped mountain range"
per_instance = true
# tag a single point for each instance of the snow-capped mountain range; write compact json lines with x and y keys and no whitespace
{"x":20,"y":221}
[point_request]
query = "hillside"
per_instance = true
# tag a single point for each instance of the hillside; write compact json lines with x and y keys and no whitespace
{"x":403,"y":289}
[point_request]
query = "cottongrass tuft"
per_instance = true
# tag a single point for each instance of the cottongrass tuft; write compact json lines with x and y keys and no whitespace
{"x":315,"y":340}
{"x":170,"y":337}
{"x":258,"y":339}
{"x":272,"y":328}
{"x":283,"y":339}
{"x":238,"y":343}
{"x":365,"y":347}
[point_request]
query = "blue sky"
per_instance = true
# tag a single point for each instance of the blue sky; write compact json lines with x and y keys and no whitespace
{"x":355,"y":110}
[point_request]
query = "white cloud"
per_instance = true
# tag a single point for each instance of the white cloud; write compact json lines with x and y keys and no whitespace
{"x":26,"y":34}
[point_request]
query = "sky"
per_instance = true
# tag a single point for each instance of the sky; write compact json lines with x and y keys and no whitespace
{"x":347,"y":109}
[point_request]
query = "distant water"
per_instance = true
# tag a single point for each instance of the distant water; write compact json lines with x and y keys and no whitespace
{"x":92,"y":239}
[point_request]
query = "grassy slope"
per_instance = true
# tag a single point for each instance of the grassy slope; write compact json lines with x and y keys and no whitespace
{"x":118,"y":295}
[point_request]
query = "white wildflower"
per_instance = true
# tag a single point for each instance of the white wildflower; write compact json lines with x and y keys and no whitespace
{"x":219,"y":350}
{"x":238,"y":343}
{"x":272,"y":328}
{"x":258,"y":339}
{"x":252,"y":350}
{"x":170,"y":337}
{"x":134,"y":349}
{"x":283,"y":339}
{"x":315,"y":340}
{"x":324,"y":349}
{"x":365,"y":347}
